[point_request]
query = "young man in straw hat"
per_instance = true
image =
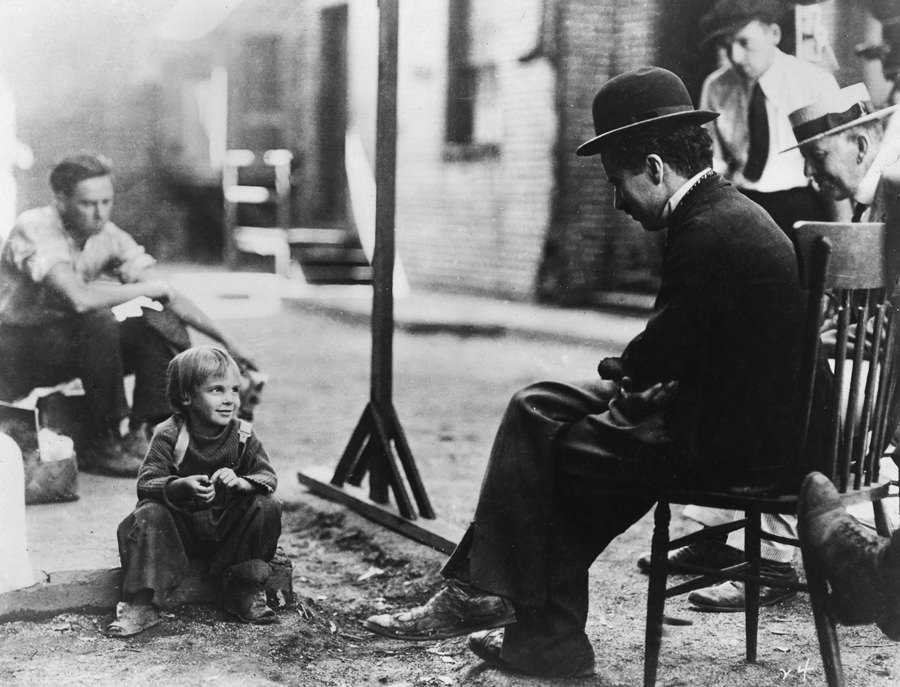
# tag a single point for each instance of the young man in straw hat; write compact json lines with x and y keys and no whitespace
{"x":842,"y":140}
{"x":573,"y":466}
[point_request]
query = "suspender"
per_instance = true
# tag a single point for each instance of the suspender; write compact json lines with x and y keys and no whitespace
{"x":181,"y":443}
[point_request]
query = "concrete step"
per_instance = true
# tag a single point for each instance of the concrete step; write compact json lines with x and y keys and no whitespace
{"x":98,"y":591}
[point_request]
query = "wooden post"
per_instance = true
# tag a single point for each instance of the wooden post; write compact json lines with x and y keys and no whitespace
{"x":381,"y":394}
{"x":378,"y":433}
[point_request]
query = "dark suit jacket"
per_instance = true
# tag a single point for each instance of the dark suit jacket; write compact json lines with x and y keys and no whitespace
{"x":726,"y":325}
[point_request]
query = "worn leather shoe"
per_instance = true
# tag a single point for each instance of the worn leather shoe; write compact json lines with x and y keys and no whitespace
{"x":244,"y":594}
{"x":862,"y":567}
{"x":487,"y":645}
{"x":708,"y":554}
{"x":455,"y":610}
{"x":729,"y":597}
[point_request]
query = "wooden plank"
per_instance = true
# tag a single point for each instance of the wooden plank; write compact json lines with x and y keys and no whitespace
{"x":440,"y":536}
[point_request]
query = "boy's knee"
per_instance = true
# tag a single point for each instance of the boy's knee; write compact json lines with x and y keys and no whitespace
{"x":270,"y":506}
{"x":149,"y":514}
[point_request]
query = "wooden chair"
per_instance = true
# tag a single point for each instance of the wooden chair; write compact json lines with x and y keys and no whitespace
{"x":269,"y":241}
{"x":853,"y":266}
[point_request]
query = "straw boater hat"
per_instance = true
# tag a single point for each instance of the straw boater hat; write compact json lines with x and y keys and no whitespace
{"x":835,"y":112}
{"x":637,"y":98}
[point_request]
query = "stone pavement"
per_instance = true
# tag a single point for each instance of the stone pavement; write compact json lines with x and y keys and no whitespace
{"x":80,"y":536}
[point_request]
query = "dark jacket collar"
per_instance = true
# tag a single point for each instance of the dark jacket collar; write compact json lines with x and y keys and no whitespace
{"x":698,"y":193}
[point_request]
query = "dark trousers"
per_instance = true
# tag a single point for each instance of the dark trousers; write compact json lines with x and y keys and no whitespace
{"x":793,"y":205}
{"x":157,"y":543}
{"x":565,"y":477}
{"x":100,"y":351}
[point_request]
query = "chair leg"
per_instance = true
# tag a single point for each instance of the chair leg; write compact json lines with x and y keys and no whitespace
{"x":751,"y":587}
{"x":883,"y":524}
{"x":829,"y":648}
{"x":656,"y":595}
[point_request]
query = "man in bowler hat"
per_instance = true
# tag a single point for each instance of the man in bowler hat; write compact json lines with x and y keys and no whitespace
{"x":573,"y":466}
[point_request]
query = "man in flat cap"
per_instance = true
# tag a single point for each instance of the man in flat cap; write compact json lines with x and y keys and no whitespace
{"x":573,"y":466}
{"x":754,"y":93}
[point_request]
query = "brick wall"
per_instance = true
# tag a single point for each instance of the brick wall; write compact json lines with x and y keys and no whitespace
{"x":592,"y":248}
{"x":532,"y":220}
{"x":477,"y":222}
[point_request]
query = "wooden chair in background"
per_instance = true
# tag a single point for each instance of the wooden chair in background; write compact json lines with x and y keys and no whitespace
{"x":854,"y":267}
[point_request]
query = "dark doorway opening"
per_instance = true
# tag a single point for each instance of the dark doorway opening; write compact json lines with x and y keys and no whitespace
{"x":331,"y":204}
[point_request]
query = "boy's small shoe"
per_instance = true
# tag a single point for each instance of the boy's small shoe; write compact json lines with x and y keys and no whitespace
{"x":132,"y":619}
{"x":244,"y":594}
{"x":249,"y":607}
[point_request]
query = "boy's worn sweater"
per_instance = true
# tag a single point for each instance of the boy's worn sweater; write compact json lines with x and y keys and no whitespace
{"x":204,"y":455}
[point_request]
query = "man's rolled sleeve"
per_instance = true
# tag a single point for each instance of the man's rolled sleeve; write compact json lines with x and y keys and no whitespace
{"x":35,"y":251}
{"x":133,"y":259}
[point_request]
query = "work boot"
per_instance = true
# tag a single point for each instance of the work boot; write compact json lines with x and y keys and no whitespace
{"x":862,"y":567}
{"x":244,"y":594}
{"x":712,"y":553}
{"x":108,"y":455}
{"x":137,"y":442}
{"x":487,"y":645}
{"x":730,"y":596}
{"x":455,"y":610}
{"x":142,"y":428}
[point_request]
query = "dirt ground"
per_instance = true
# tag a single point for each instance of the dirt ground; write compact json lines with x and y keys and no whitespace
{"x":449,"y":394}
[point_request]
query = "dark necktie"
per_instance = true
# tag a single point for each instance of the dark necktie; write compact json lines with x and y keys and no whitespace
{"x":758,"y":128}
{"x":858,"y":210}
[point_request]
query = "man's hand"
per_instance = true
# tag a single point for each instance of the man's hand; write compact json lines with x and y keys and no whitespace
{"x":227,"y":478}
{"x":240,"y":357}
{"x":611,"y":368}
{"x":638,"y":404}
{"x":157,"y":290}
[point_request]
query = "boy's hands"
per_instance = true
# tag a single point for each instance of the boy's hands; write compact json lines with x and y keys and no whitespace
{"x":201,"y":490}
{"x":227,"y":478}
{"x":196,"y":488}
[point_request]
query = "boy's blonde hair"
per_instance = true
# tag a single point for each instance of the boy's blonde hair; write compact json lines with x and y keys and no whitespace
{"x":191,"y":368}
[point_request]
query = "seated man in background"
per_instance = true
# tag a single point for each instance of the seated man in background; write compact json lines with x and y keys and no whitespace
{"x":62,"y":269}
{"x":843,"y":141}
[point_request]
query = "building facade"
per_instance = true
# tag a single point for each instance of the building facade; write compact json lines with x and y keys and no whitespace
{"x":493,"y":98}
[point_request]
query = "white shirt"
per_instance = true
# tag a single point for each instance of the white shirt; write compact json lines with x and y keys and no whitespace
{"x":789,"y":84}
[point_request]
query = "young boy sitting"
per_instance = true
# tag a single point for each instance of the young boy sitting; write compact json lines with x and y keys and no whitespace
{"x":205,"y":491}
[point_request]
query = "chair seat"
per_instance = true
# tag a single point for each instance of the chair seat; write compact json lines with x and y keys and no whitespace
{"x":744,"y":498}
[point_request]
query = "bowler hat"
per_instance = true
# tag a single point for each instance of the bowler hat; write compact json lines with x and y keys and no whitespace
{"x":638,"y":98}
{"x":837,"y":111}
{"x":727,"y":17}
